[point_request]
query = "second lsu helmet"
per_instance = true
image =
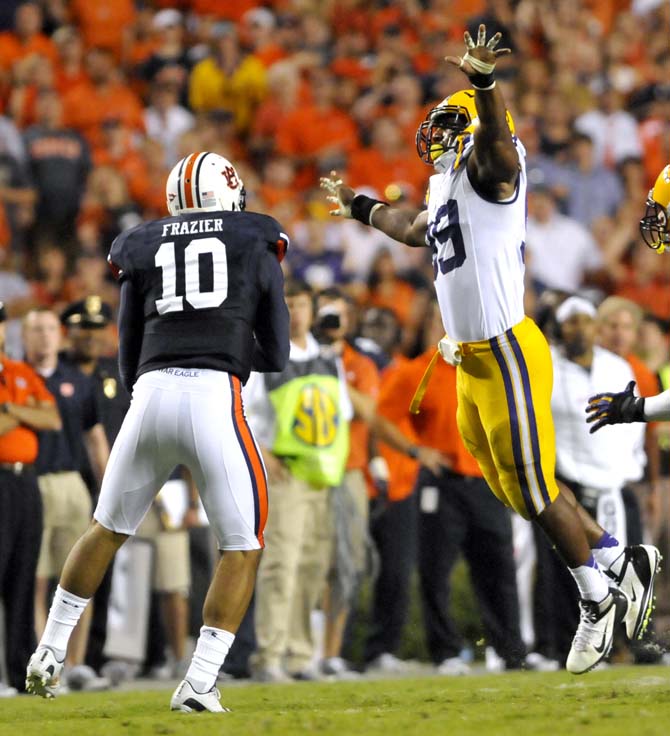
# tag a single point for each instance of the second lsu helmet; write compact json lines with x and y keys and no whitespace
{"x":654,"y":225}
{"x":448,"y":125}
{"x":204,"y":182}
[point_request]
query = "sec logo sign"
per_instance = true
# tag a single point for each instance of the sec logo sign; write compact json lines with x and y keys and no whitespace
{"x":316,"y":417}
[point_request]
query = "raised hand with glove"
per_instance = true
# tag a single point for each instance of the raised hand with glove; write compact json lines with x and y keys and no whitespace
{"x":615,"y":408}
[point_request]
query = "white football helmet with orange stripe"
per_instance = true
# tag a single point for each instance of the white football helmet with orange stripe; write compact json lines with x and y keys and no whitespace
{"x":204,"y":182}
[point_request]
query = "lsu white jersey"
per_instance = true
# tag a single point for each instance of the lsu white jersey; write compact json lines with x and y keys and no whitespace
{"x":478,"y":253}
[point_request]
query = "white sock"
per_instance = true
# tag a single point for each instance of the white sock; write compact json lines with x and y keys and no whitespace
{"x":610,"y":558}
{"x":64,"y":614}
{"x":210,"y":653}
{"x":590,"y":581}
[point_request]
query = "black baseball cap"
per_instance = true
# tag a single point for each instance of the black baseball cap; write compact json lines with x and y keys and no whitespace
{"x":91,"y":312}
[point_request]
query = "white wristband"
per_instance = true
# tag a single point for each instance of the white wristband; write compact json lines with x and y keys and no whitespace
{"x":374,"y":209}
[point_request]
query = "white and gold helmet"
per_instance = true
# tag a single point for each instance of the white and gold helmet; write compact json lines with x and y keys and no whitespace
{"x":448,"y":125}
{"x":204,"y":182}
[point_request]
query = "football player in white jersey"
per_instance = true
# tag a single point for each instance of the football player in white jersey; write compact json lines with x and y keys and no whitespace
{"x":475,"y":226}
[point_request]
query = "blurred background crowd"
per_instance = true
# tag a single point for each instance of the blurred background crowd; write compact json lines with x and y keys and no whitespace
{"x":98,"y":100}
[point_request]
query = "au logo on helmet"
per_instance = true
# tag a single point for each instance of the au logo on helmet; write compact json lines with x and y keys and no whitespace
{"x":231,"y":177}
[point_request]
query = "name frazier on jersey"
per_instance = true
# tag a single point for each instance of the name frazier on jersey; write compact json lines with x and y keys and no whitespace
{"x":192,"y":227}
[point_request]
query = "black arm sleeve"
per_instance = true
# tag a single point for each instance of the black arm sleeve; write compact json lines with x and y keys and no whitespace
{"x":271,"y":331}
{"x":131,"y":330}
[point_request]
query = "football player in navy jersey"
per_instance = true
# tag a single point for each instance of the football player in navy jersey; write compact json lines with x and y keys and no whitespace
{"x":201,"y":306}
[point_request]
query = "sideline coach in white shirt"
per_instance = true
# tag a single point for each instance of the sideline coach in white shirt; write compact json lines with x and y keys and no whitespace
{"x":599,"y":464}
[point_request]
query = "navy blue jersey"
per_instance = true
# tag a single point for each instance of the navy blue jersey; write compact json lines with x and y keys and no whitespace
{"x":202,"y":290}
{"x":63,"y":449}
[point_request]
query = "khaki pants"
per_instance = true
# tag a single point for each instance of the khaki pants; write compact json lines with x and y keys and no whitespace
{"x":67,"y":513}
{"x":172,"y":562}
{"x":359,"y":537}
{"x":292,"y":574}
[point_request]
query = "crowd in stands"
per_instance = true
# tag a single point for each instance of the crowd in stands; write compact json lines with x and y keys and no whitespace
{"x":98,"y":100}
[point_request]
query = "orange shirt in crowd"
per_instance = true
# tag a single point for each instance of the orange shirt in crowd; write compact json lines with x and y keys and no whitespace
{"x":19,"y":384}
{"x":85,"y":107}
{"x":307,"y":130}
{"x":370,"y":167}
{"x":132,"y":166}
{"x":103,"y":22}
{"x":362,"y":374}
{"x":224,"y":10}
{"x":435,"y":425}
{"x":647,"y":383}
{"x":403,"y":470}
{"x":12,"y":49}
{"x":5,"y":232}
{"x":399,"y":298}
{"x":653,"y":296}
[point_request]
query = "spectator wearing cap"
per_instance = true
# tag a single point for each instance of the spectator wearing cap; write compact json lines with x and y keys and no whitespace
{"x":62,"y":459}
{"x":596,"y":467}
{"x":258,"y":31}
{"x":168,"y":26}
{"x":228,"y":78}
{"x":59,"y":162}
{"x":26,"y":407}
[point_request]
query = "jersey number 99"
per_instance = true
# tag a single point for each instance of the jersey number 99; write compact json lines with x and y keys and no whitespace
{"x":450,"y":232}
{"x":166,"y":260}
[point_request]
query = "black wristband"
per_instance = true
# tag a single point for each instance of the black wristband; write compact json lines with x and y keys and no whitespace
{"x":413,"y":452}
{"x":483,"y":81}
{"x":362,"y":206}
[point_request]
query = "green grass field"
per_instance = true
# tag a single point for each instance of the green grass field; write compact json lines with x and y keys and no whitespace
{"x":628,"y":700}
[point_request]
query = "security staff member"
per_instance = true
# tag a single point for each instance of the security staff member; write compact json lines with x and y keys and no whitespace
{"x":25,"y":408}
{"x":65,"y":496}
{"x":85,"y":323}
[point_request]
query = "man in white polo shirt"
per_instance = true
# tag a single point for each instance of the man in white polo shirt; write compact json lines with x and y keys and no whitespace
{"x":600,"y":464}
{"x":596,"y":466}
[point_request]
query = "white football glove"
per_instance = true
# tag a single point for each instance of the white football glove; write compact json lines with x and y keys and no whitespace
{"x":332,"y":186}
{"x":450,"y":351}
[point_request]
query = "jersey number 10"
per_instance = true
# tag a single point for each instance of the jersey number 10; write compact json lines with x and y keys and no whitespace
{"x":166,"y":260}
